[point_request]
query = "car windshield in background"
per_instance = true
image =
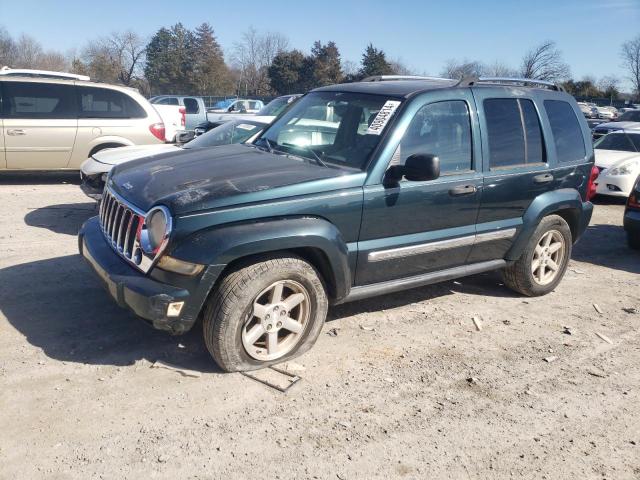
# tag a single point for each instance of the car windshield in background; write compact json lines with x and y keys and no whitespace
{"x":632,"y":116}
{"x":275,"y":107}
{"x":336,"y":129}
{"x":620,"y":142}
{"x":227,"y":133}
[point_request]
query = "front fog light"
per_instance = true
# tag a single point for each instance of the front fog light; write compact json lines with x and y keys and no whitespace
{"x":174,"y":309}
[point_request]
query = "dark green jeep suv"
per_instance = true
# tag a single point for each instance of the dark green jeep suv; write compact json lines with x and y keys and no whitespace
{"x":356,"y":190}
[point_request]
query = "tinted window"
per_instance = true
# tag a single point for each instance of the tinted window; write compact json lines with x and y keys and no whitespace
{"x":442,"y":129}
{"x":635,"y":139}
{"x":104,"y":103}
{"x":166,"y":101}
{"x":38,"y":100}
{"x":616,"y":141}
{"x":191,"y":105}
{"x":567,"y":134}
{"x":514,"y":133}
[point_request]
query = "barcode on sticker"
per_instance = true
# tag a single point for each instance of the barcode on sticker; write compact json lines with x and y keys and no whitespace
{"x":383,"y":117}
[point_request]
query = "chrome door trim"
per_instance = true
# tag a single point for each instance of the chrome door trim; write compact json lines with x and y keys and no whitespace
{"x":441,"y":245}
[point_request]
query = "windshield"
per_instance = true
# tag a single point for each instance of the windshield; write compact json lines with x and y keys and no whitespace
{"x":617,"y":141}
{"x":331,"y":128}
{"x":276,"y":106}
{"x":223,"y":103}
{"x":632,"y":116}
{"x":225,"y":134}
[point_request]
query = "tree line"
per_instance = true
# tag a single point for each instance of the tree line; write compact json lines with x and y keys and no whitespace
{"x":177,"y":60}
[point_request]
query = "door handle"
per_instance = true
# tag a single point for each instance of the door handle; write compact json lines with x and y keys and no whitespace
{"x":463,"y":190}
{"x":544,"y":178}
{"x":16,"y":131}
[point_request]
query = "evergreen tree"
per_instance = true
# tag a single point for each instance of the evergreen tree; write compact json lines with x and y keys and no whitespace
{"x":326,"y":64}
{"x":171,"y":58}
{"x":289,"y":73}
{"x":374,"y":62}
{"x":211,"y":76}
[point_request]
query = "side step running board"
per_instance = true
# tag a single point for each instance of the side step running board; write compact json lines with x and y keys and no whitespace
{"x":366,"y":291}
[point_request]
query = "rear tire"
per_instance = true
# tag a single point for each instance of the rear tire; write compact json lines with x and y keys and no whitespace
{"x":545,"y":258}
{"x":633,"y":239}
{"x":264,"y":313}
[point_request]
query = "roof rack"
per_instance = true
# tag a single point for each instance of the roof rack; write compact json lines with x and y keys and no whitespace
{"x":26,"y":72}
{"x":386,"y":78}
{"x":524,"y":82}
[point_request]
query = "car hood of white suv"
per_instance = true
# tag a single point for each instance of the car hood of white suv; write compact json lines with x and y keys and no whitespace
{"x":606,"y":158}
{"x":116,"y":156}
{"x":620,"y":125}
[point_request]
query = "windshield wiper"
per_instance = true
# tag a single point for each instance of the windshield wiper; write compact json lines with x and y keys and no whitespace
{"x":268,"y":143}
{"x":316,"y":157}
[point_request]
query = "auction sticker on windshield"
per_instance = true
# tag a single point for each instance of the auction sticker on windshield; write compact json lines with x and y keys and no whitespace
{"x":383,"y":117}
{"x":246,"y":126}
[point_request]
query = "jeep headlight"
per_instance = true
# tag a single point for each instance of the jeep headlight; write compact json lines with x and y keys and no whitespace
{"x":156,"y":230}
{"x":627,"y":168}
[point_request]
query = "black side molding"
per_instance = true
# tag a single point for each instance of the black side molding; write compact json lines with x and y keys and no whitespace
{"x":366,"y":291}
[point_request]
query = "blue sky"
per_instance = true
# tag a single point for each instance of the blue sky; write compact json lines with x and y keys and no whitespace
{"x":423,"y":34}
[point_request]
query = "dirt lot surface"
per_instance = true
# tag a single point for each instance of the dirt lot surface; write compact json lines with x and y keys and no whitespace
{"x":408,"y":388}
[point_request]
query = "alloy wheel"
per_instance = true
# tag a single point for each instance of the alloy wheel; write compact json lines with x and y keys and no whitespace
{"x":548,"y":257}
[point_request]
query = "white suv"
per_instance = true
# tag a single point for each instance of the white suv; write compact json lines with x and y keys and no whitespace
{"x":51,"y":121}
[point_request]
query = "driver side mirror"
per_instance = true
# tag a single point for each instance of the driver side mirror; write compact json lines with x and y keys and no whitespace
{"x":419,"y":167}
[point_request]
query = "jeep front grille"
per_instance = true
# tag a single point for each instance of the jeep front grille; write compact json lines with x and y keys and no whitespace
{"x":121,"y":224}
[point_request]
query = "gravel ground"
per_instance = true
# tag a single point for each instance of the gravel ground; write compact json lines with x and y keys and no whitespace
{"x":404,"y":387}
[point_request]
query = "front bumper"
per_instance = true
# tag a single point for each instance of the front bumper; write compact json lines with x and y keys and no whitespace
{"x":615,"y":185}
{"x":147,"y":297}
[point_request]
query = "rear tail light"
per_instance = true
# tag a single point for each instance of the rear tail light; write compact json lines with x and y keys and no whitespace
{"x":591,"y":185}
{"x":633,"y":202}
{"x":157,"y":129}
{"x":183,"y":116}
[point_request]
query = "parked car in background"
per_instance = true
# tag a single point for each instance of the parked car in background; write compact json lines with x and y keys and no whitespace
{"x":618,"y":159}
{"x":632,"y":216}
{"x":607,"y":112}
{"x":194,"y":108}
{"x":94,"y":170}
{"x":266,"y":114}
{"x":236,"y":109}
{"x":589,"y":110}
{"x":55,"y":123}
{"x":627,"y":121}
{"x":357,"y":190}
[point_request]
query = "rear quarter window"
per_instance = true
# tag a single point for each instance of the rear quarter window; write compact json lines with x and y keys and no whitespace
{"x":567,"y":134}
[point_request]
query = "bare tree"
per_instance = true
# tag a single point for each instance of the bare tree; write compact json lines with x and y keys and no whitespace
{"x":545,"y":62}
{"x":118,"y":58}
{"x":399,"y":67}
{"x":499,"y":69}
{"x":630,"y":53}
{"x":7,"y":48}
{"x":252,"y":56}
{"x":460,"y":69}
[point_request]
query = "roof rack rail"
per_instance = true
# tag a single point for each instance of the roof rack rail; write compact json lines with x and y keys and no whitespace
{"x":385,"y":78}
{"x":26,"y":72}
{"x":524,"y":82}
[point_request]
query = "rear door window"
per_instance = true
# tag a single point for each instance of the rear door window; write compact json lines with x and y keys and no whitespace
{"x":191,"y":105}
{"x":514,"y":133}
{"x":567,"y":134}
{"x":106,"y":103}
{"x":38,"y":100}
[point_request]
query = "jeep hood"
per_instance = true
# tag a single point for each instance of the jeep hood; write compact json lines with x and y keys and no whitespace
{"x":115,"y":156}
{"x":199,"y":179}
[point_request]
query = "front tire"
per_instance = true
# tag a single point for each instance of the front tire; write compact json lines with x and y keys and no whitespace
{"x":265,"y":312}
{"x":541,"y":266}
